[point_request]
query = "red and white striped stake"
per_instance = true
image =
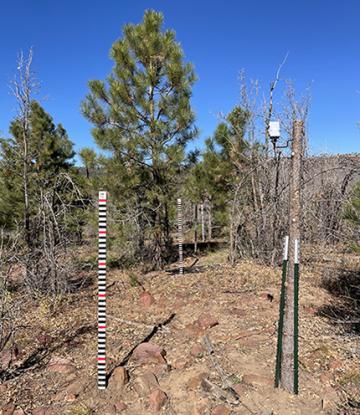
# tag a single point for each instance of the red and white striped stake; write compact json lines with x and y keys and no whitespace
{"x":101,"y":358}
{"x":180,"y":237}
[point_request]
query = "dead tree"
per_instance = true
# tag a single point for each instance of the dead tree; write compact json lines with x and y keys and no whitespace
{"x":289,"y":364}
{"x":8,"y":306}
{"x":23,"y":87}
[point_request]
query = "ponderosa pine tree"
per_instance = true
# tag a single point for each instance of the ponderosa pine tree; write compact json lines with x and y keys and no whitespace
{"x":89,"y":160}
{"x":142,"y":115}
{"x":49,"y":152}
{"x":50,"y":195}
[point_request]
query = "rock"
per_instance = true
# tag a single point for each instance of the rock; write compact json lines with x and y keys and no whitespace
{"x":194,"y":382}
{"x":326,"y":377}
{"x":201,"y":408}
{"x":6,"y":358}
{"x":120,"y":406}
{"x":157,"y":400}
{"x":74,"y":388}
{"x":178,"y":304}
{"x":257,"y":380}
{"x":335,"y":364}
{"x":241,"y":389}
{"x":145,"y":384}
{"x":8,"y":409}
{"x":70,"y":397}
{"x":310,"y":310}
{"x":206,"y":321}
{"x":192,"y":330}
{"x":159,"y":369}
{"x":149,"y":352}
{"x":60,"y":365}
{"x":239,"y":312}
{"x":146,"y":299}
{"x":45,"y":339}
{"x":197,"y":350}
{"x":44,"y":410}
{"x":108,"y":409}
{"x":267,"y":296}
{"x":118,"y":379}
{"x":3,"y":387}
{"x":114,"y":408}
{"x":180,"y":363}
{"x":251,"y":339}
{"x":220,"y":410}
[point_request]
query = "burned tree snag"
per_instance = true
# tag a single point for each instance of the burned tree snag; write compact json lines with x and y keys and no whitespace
{"x":289,"y":364}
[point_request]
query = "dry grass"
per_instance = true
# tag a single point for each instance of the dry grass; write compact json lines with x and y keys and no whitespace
{"x":245,"y":339}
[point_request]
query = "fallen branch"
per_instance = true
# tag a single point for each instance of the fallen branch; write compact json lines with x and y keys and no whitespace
{"x":218,"y":392}
{"x":194,"y":263}
{"x":154,"y":330}
{"x":248,"y":290}
{"x":136,"y":323}
{"x":226,"y":384}
{"x":42,"y":352}
{"x":347,"y":321}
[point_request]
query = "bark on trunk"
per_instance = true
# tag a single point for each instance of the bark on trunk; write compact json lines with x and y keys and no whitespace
{"x":195,"y":227}
{"x":287,"y":367}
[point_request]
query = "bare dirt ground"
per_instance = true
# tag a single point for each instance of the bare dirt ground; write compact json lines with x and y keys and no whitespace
{"x":54,"y":371}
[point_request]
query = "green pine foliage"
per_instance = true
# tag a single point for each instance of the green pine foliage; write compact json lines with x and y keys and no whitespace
{"x":49,"y":153}
{"x":37,"y":165}
{"x":223,"y":162}
{"x":142,"y":116}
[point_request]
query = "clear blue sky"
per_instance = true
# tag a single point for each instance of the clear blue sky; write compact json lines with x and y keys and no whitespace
{"x":71,"y":41}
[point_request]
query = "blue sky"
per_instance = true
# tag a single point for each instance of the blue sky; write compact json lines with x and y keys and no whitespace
{"x":71,"y":41}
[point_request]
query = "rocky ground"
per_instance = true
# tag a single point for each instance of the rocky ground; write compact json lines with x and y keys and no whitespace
{"x":176,"y":344}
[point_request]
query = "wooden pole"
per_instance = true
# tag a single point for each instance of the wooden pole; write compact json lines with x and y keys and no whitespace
{"x":289,"y":362}
{"x":180,"y":237}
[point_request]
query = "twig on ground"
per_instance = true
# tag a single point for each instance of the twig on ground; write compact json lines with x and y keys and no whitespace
{"x":137,"y":323}
{"x":154,"y":330}
{"x":226,"y":384}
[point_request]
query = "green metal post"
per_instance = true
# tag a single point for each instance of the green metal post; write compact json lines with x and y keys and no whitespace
{"x":281,"y":314}
{"x":296,"y":317}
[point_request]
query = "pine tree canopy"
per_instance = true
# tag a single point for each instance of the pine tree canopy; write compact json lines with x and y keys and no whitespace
{"x":49,"y":152}
{"x":142,"y":112}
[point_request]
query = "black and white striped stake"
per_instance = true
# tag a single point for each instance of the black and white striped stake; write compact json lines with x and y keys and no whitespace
{"x":281,"y":313}
{"x":101,"y":358}
{"x":180,"y":237}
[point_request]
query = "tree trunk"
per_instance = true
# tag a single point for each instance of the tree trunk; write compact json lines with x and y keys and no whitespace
{"x":209,"y":221}
{"x":287,"y":366}
{"x":195,"y":227}
{"x":202,"y":222}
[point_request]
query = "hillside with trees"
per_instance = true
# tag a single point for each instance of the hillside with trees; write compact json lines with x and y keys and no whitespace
{"x":259,"y":312}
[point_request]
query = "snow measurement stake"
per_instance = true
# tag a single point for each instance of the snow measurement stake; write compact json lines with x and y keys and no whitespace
{"x":180,"y":237}
{"x":101,"y":358}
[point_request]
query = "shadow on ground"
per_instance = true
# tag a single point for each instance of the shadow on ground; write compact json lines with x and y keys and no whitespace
{"x":344,"y":285}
